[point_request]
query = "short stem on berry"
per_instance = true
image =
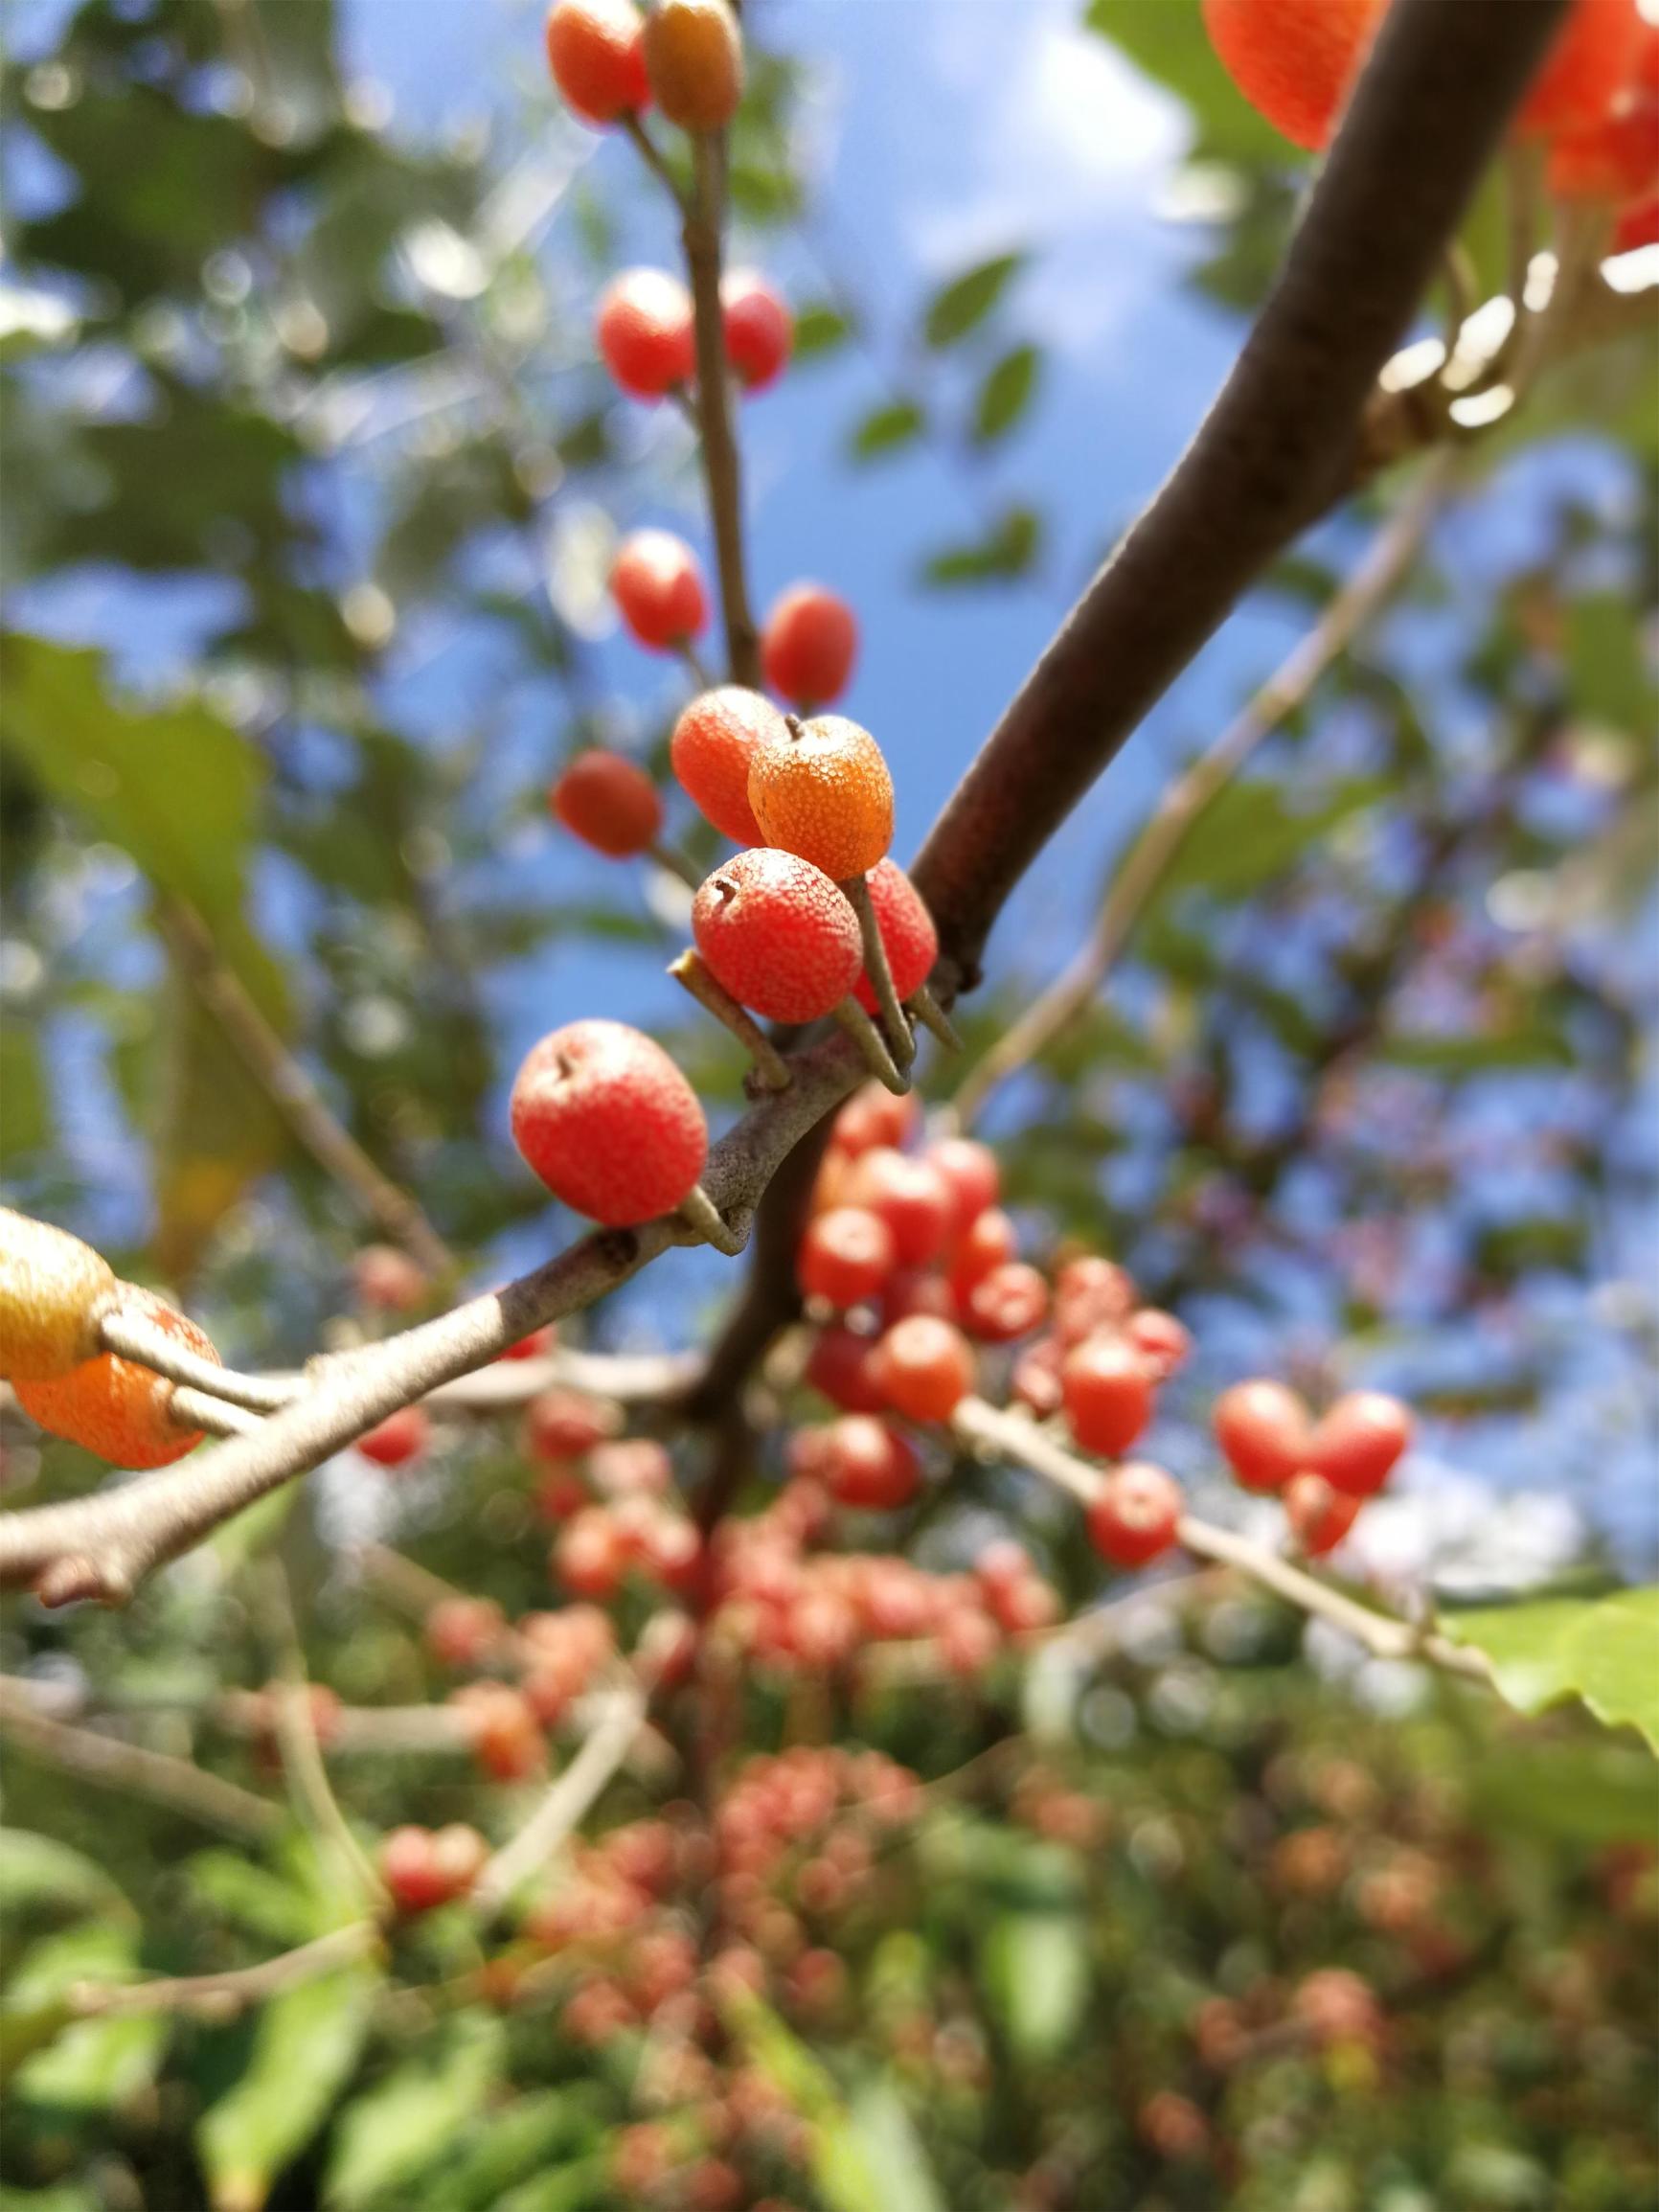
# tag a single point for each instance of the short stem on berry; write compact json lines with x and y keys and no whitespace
{"x":131,"y":1336}
{"x":868,"y":1039}
{"x":900,"y":1037}
{"x":685,"y":398}
{"x":651,"y":154}
{"x":927,"y":1010}
{"x":701,"y":674}
{"x":675,"y":863}
{"x":193,"y":1409}
{"x":704,"y":1216}
{"x":692,"y":974}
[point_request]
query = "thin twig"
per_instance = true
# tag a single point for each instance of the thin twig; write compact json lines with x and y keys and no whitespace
{"x":113,"y":1764}
{"x":228,"y":1993}
{"x":722,"y":471}
{"x":692,"y":972}
{"x":195,"y":1409}
{"x":654,"y":158}
{"x":127,"y":1334}
{"x":674,"y":863}
{"x":564,"y":1804}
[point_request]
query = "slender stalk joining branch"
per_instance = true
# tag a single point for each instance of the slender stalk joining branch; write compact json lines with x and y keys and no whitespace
{"x":722,"y":470}
{"x":690,"y":972}
{"x":113,"y":1764}
{"x":1185,"y":801}
{"x":195,"y":1409}
{"x":565,"y":1806}
{"x":132,"y":1336}
{"x":896,"y":1029}
{"x":223,"y":1994}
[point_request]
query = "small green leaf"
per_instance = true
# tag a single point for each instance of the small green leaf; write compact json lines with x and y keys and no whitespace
{"x":1035,"y":1967}
{"x":887,"y":2146}
{"x":261,"y":1904}
{"x":304,"y":2052}
{"x":961,"y":305}
{"x":1602,"y":1649}
{"x":25,"y":1107}
{"x":1251,"y":836}
{"x":1007,"y":393}
{"x":37,"y":1870}
{"x":884,"y":429}
{"x":409,"y":2121}
{"x":1009,"y":549}
{"x":524,"y":2139}
{"x":81,"y":2064}
{"x":819,"y":329}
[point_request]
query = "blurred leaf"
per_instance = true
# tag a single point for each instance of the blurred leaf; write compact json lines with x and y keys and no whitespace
{"x":1251,"y":836}
{"x":87,"y":2064}
{"x":1007,"y":393}
{"x":512,"y":2142}
{"x":280,"y":1913}
{"x":819,"y":329}
{"x":1605,"y":1650}
{"x":1035,"y":1967}
{"x":1170,"y":44}
{"x":1471,"y":1054}
{"x":1009,"y":550}
{"x":25,"y":1116}
{"x":1605,"y":669}
{"x":38,"y":1870}
{"x":305,"y":2050}
{"x":886,"y":428}
{"x":406,"y":2123}
{"x":1590,"y":1793}
{"x":961,"y":305}
{"x":877,"y":2139}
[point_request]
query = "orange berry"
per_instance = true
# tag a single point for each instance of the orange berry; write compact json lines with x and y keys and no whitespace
{"x":506,"y":1740}
{"x":1008,"y":1301}
{"x":1637,"y":226}
{"x":1135,"y":1516}
{"x":596,"y":51}
{"x":591,"y":1555}
{"x":925,"y":1367}
{"x":1107,"y":1394}
{"x":1090,"y":1293}
{"x":715,"y":741}
{"x":561,"y":1424}
{"x":759,"y":328}
{"x":1293,"y":60}
{"x":423,"y":1869}
{"x":1163,"y":1342}
{"x":863,"y":1463}
{"x":1319,"y":1517}
{"x":1263,"y":1431}
{"x":53,"y":1290}
{"x":777,"y":934}
{"x":970,"y":1168}
{"x":609,"y":803}
{"x":873,"y":1116}
{"x":658,"y":587}
{"x":1356,"y":1444}
{"x":462,"y":1631}
{"x":908,"y":936}
{"x":824,"y":791}
{"x":644,"y":332}
{"x":1592,"y":55}
{"x":607,"y":1120}
{"x":695,"y":61}
{"x":844,"y":1256}
{"x":989,"y":1242}
{"x":809,"y":643}
{"x":115,"y":1407}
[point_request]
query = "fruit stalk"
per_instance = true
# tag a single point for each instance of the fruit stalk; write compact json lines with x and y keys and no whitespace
{"x":900,"y":1037}
{"x":692,"y":974}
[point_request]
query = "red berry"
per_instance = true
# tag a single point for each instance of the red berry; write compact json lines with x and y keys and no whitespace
{"x":607,"y":1120}
{"x":1616,"y":157}
{"x":644,"y":332}
{"x":715,"y":741}
{"x":596,"y":51}
{"x":591,"y":1554}
{"x":826,"y":794}
{"x":1319,"y":1517}
{"x":463,"y":1631}
{"x":1338,"y":2007}
{"x":1090,"y":1293}
{"x":872,"y":1116}
{"x":967,"y":1641}
{"x":839,"y":1365}
{"x":1035,"y":1380}
{"x":1136,"y":1514}
{"x":864,"y":1463}
{"x":759,"y":328}
{"x":908,"y":936}
{"x":968,"y":1167}
{"x":1161,"y":1340}
{"x":1263,"y":1431}
{"x":115,"y":1407}
{"x":1638,"y":226}
{"x":987,"y":1241}
{"x":563,"y":1424}
{"x":387,"y":1280}
{"x":1107,"y":1395}
{"x":402,"y":1436}
{"x":609,"y":803}
{"x":659,"y":588}
{"x":633,"y":1466}
{"x":910,"y":1195}
{"x":423,"y":1869}
{"x":1008,"y":1301}
{"x":1356,"y":1444}
{"x":1591,"y":57}
{"x":535,"y":1346}
{"x":844,"y":1256}
{"x":1293,"y":60}
{"x":507,"y":1737}
{"x":925,"y":1367}
{"x":809,"y":643}
{"x":695,"y":60}
{"x":777,"y":934}
{"x":917,"y":1290}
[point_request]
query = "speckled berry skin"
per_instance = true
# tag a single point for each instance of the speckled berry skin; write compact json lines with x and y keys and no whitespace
{"x":644,"y":332}
{"x":825,"y":793}
{"x":907,"y":933}
{"x":1591,"y":57}
{"x":607,"y":1120}
{"x":695,"y":61}
{"x":760,"y":331}
{"x":1293,"y":60}
{"x":808,"y":645}
{"x":596,"y":54}
{"x":658,"y":589}
{"x":609,"y":803}
{"x":53,"y":1288}
{"x":777,"y":934}
{"x":714,"y":742}
{"x":115,"y":1407}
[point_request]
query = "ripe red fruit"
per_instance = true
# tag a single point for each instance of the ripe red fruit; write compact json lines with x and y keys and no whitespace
{"x":1136,"y":1514}
{"x":462,"y":1631}
{"x":596,"y":51}
{"x":1590,"y":58}
{"x":908,"y":936}
{"x":421,"y":1868}
{"x":840,"y":1366}
{"x":695,"y":61}
{"x":917,"y":1290}
{"x":1107,"y":1395}
{"x":987,"y":1241}
{"x":609,"y":803}
{"x":1090,"y":1293}
{"x":534,"y":1346}
{"x":925,"y":1367}
{"x":968,"y":1167}
{"x":632,"y":1467}
{"x":1163,"y":1342}
{"x":1356,"y":1444}
{"x":844,"y":1256}
{"x":759,"y":328}
{"x":1616,"y":157}
{"x":1338,"y":2007}
{"x":809,"y":643}
{"x":1008,"y":1301}
{"x":910,"y":1195}
{"x":121,"y":1410}
{"x":715,"y":741}
{"x":402,"y":1436}
{"x":563,"y":1424}
{"x":607,"y":1120}
{"x":1263,"y":1431}
{"x":1638,"y":226}
{"x":506,"y":1736}
{"x":591,"y":1554}
{"x":872,"y":1116}
{"x":1035,"y":1380}
{"x":864,"y":1463}
{"x":1293,"y":60}
{"x":777,"y":934}
{"x":644,"y":332}
{"x":825,"y":792}
{"x":1319,"y":1517}
{"x":659,"y":588}
{"x":387,"y":1280}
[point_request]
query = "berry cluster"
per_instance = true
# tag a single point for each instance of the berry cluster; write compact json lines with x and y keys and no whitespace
{"x":1323,"y":1470}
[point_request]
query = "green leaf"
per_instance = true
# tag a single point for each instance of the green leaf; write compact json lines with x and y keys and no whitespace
{"x":1474,"y":1055}
{"x":1007,"y":393}
{"x":1591,"y":1792}
{"x":280,"y":1913}
{"x":305,"y":2050}
{"x":878,"y":2138}
{"x":886,"y":428}
{"x":518,"y":2140}
{"x":37,"y":1870}
{"x":819,"y":329}
{"x":1035,"y":1968}
{"x":1606,"y":675}
{"x":1170,"y":44}
{"x":1605,"y":1650}
{"x":79,"y":2064}
{"x":1251,"y":836}
{"x":961,"y":305}
{"x":1009,"y":549}
{"x":405,"y":2124}
{"x":25,"y":1107}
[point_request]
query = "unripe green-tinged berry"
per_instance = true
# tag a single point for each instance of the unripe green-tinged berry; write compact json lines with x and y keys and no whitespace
{"x":844,"y":1256}
{"x":609,"y":803}
{"x":595,"y":53}
{"x":643,"y":331}
{"x":695,"y":61}
{"x":658,"y":587}
{"x":607,"y":1120}
{"x":1358,"y":1442}
{"x":1136,"y":1514}
{"x":53,"y":1291}
{"x":1293,"y":60}
{"x":1319,"y":1517}
{"x":824,"y":791}
{"x":114,"y":1406}
{"x":908,"y":936}
{"x":925,"y":1367}
{"x":809,"y":643}
{"x":399,"y":1439}
{"x":777,"y":934}
{"x":863,"y":1463}
{"x":1263,"y":1430}
{"x":714,"y":742}
{"x":759,"y":328}
{"x":1592,"y":55}
{"x":1107,"y":1394}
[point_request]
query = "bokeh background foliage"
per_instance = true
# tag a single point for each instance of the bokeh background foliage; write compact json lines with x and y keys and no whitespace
{"x":310,"y":485}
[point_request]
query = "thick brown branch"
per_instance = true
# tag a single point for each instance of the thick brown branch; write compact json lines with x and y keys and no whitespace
{"x":1280,"y":445}
{"x":721,"y":468}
